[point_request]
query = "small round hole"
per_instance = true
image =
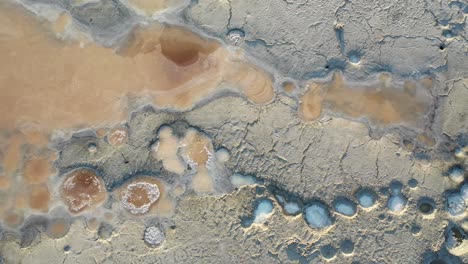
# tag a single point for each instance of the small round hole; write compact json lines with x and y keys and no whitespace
{"x":328,"y":252}
{"x":66,"y":248}
{"x":447,"y":34}
{"x":413,"y":183}
{"x":92,"y":147}
{"x":415,"y":229}
{"x":354,"y":58}
{"x":426,"y":206}
{"x":441,"y":46}
{"x":236,"y":36}
{"x":347,"y":247}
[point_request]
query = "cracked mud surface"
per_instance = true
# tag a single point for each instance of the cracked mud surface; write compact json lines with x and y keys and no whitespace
{"x":233,"y":131}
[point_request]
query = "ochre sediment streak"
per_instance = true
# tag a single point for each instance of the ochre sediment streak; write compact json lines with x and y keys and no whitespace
{"x":176,"y":66}
{"x":311,"y":104}
{"x":251,"y":80}
{"x":382,"y":102}
{"x":182,"y":68}
{"x":57,"y":85}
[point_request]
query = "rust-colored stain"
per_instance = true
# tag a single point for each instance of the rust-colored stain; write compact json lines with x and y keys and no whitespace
{"x":82,"y":189}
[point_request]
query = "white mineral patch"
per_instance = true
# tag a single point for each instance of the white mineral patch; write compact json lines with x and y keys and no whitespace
{"x":397,"y":203}
{"x":345,"y":207}
{"x":239,"y":180}
{"x":461,"y":153}
{"x":280,"y":199}
{"x":263,"y":211}
{"x":222,"y":155}
{"x":318,"y":216}
{"x":464,"y":192}
{"x":457,"y":174}
{"x":292,"y":208}
{"x":366,"y":198}
{"x":154,"y":236}
{"x":455,"y":204}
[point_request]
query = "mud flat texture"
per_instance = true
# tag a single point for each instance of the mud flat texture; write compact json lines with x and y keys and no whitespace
{"x":233,"y":131}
